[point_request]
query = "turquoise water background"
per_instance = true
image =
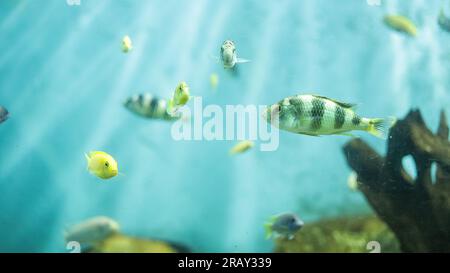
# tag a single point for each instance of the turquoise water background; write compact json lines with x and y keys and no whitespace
{"x":64,"y":78}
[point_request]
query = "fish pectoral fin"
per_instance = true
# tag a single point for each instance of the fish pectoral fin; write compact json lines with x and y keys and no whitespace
{"x":241,"y":61}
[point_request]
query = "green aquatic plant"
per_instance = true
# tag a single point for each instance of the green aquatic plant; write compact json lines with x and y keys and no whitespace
{"x":344,"y":234}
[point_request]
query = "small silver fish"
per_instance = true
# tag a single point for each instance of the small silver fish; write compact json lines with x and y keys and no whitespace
{"x":4,"y":114}
{"x":148,"y":106}
{"x":228,"y":55}
{"x":92,"y":230}
{"x":283,"y":225}
{"x":316,"y":115}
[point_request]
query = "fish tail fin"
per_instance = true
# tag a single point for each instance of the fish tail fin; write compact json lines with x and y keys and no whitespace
{"x":268,"y":227}
{"x":88,"y":159}
{"x":379,"y":127}
{"x":268,"y":230}
{"x":241,"y":61}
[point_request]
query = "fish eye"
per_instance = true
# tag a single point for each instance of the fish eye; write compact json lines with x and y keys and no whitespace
{"x":107,"y":164}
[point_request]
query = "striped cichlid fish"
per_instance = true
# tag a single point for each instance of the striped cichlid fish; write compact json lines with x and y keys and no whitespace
{"x":228,"y":55}
{"x":318,"y":115}
{"x":149,"y":106}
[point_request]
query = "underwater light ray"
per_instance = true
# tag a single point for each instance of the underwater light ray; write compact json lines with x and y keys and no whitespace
{"x":142,"y":39}
{"x":72,"y":38}
{"x":242,"y":213}
{"x":310,"y":54}
{"x":117,"y":96}
{"x":9,"y":52}
{"x":400,"y":92}
{"x":14,"y":11}
{"x":192,"y":27}
{"x":183,"y":66}
{"x":439,"y":77}
{"x":108,"y":109}
{"x":141,"y":181}
{"x":165,"y":56}
{"x":172,"y":185}
{"x":38,"y":128}
{"x":213,"y":39}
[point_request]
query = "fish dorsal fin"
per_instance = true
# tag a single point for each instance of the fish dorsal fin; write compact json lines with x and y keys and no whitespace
{"x":98,"y":153}
{"x":340,"y":103}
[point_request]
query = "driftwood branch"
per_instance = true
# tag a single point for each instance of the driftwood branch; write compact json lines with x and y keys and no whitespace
{"x":417,"y":210}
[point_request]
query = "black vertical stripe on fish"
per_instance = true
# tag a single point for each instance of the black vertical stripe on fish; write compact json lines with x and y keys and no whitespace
{"x":317,"y":112}
{"x":140,"y":100}
{"x":339,"y":117}
{"x":298,"y":107}
{"x":356,"y":120}
{"x":153,"y":105}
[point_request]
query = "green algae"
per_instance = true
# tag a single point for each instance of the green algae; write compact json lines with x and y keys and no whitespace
{"x":346,"y":234}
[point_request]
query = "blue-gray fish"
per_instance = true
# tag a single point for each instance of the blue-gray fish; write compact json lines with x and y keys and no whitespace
{"x":444,"y":21}
{"x":148,"y":106}
{"x":283,"y":225}
{"x":4,"y":114}
{"x":228,"y":55}
{"x":92,"y":230}
{"x":318,"y":115}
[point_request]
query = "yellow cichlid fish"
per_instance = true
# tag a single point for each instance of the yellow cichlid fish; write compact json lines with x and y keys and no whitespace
{"x":126,"y":44}
{"x":180,"y":97}
{"x":242,"y":147}
{"x":101,"y":164}
{"x":401,"y":24}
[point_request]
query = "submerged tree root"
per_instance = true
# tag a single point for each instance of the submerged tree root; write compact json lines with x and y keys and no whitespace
{"x":417,"y":210}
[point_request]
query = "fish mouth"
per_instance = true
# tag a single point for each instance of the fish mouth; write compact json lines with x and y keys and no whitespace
{"x":272,"y":113}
